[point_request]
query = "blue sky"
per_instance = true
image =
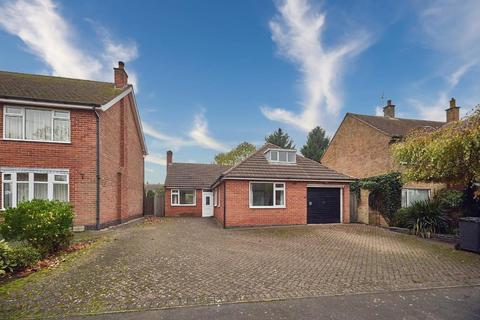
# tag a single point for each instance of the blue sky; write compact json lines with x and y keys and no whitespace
{"x":211,"y":74}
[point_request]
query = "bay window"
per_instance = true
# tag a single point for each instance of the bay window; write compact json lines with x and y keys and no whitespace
{"x":35,"y":124}
{"x":267,"y":195}
{"x":183,"y":197}
{"x":25,"y":185}
{"x":410,"y":195}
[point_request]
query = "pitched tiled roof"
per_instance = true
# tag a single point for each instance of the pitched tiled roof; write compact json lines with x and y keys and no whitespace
{"x":56,"y":89}
{"x":256,"y":166}
{"x":396,"y":127}
{"x":193,"y":175}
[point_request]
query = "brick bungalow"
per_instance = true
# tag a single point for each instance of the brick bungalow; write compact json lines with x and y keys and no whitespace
{"x":361,"y":147}
{"x":72,"y":140}
{"x":272,"y":186}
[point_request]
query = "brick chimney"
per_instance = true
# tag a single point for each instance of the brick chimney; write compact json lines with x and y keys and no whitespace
{"x":169,"y":157}
{"x":121,"y":77}
{"x":453,"y":113}
{"x":389,"y":110}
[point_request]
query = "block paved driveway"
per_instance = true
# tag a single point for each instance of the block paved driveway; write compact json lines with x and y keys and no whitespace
{"x":192,"y":261}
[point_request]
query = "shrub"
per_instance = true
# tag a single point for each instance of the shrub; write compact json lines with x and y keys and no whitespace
{"x":45,"y":225}
{"x":402,"y":217}
{"x":6,"y":264}
{"x":24,"y":256}
{"x":425,"y":218}
{"x":450,"y":198}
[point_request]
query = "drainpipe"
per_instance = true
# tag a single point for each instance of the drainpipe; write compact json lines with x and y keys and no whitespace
{"x":224,"y":204}
{"x":97,"y":202}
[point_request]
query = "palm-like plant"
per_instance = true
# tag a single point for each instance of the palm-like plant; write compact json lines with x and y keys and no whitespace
{"x":427,"y":218}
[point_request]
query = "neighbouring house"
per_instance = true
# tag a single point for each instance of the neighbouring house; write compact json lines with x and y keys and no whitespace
{"x":272,"y":186}
{"x":72,"y":140}
{"x":361,"y":147}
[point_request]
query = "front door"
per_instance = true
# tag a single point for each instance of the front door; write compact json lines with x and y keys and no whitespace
{"x":323,"y":205}
{"x":207,"y":204}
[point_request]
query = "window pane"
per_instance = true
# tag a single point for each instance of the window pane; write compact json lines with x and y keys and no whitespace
{"x":40,"y":191}
{"x":13,"y":127}
{"x":40,"y":177}
{"x":12,"y":110}
{"x":174,"y":198}
{"x":7,"y":195}
{"x":416,"y":195}
{"x":187,"y":196}
{"x":61,"y":130}
{"x":60,"y":192}
{"x":291,"y":157}
{"x":38,"y":124}
{"x":404,"y":198}
{"x":207,"y":200}
{"x":22,"y":176}
{"x":7,"y":177}
{"x":279,"y":197}
{"x":60,"y":177}
{"x":274,"y":155}
{"x":62,"y":114}
{"x":282,"y":156}
{"x":22,"y":192}
{"x":262,"y":194}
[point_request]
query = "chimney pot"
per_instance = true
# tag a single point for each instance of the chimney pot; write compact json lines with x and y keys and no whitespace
{"x":120,"y":76}
{"x":389,"y":110}
{"x":169,"y":157}
{"x":453,"y":113}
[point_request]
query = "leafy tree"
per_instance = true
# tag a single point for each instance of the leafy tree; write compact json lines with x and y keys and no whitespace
{"x":450,"y":154}
{"x":281,"y":139}
{"x":235,"y":155}
{"x":316,"y":144}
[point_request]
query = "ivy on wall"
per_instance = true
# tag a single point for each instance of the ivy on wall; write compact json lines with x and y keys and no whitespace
{"x":385,"y":193}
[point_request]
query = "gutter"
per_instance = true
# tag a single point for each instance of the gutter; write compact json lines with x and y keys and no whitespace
{"x":97,"y":169}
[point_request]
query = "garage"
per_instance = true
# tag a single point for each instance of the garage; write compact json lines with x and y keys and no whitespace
{"x":324,"y":205}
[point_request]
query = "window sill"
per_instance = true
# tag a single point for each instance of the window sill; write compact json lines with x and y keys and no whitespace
{"x":268,"y":207}
{"x":183,"y":205}
{"x":39,"y":141}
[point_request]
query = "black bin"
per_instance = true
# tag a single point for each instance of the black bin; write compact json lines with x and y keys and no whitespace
{"x":470,"y":234}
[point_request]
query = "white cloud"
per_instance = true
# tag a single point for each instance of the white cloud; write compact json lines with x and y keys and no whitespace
{"x":200,"y":134}
{"x":297,"y":30}
{"x":155,"y":159}
{"x":156,"y":134}
{"x":47,"y":34}
{"x":452,"y":29}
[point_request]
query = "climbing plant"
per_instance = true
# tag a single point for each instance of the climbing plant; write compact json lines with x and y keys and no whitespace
{"x":385,"y":193}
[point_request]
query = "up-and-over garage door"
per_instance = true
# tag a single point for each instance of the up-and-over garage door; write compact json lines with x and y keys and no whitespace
{"x":323,"y":205}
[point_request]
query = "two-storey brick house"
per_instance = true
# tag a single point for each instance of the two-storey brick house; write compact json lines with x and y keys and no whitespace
{"x":72,"y":140}
{"x":361,"y":147}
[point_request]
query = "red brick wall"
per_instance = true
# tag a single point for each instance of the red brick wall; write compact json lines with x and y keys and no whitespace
{"x":218,"y":211}
{"x":238,"y":212}
{"x":359,"y":150}
{"x":121,"y":164}
{"x":78,"y":156}
{"x":183,"y":211}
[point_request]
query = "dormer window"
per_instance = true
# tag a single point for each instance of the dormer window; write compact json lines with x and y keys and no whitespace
{"x":280,"y":156}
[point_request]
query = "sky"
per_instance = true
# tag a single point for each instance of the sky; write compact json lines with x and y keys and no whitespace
{"x":211,"y":74}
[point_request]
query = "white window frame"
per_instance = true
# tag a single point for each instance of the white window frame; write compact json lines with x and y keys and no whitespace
{"x":24,"y":129}
{"x":215,"y":197}
{"x":412,"y":188}
{"x":277,"y":152}
{"x":275,"y":188}
{"x":51,"y":181}
{"x":177,"y":192}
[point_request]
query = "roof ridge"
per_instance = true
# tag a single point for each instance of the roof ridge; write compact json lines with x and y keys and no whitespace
{"x":57,"y":77}
{"x":382,"y":117}
{"x":248,"y":157}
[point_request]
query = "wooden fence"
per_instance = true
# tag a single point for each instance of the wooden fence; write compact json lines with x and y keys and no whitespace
{"x":154,"y":206}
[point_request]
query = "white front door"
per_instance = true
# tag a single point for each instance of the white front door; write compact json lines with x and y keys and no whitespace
{"x":207,"y":204}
